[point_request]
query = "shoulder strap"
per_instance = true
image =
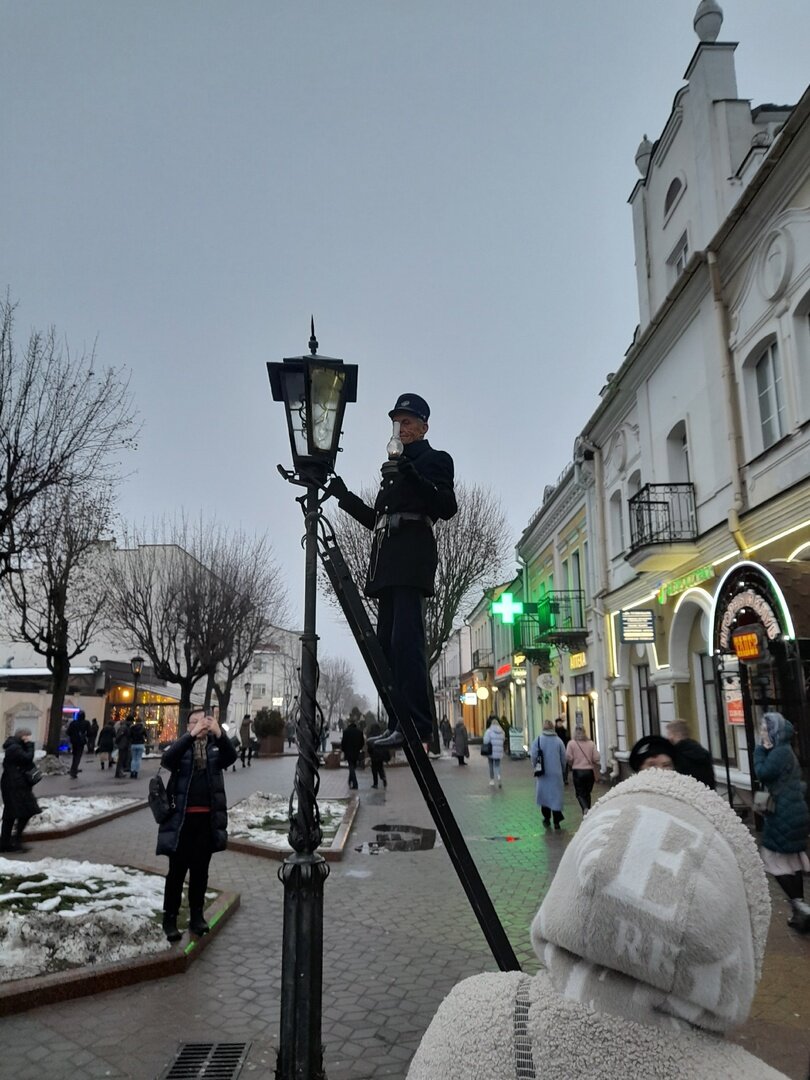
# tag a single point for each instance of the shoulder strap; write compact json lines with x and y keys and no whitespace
{"x":524,"y":1059}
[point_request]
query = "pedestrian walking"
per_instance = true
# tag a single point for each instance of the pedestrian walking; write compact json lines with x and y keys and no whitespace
{"x":416,"y":491}
{"x":446,"y":732}
{"x":561,"y":728}
{"x":583,"y":759}
{"x":290,"y":729}
{"x":19,"y":802}
{"x":123,"y":744}
{"x":494,"y":738}
{"x":351,"y":744}
{"x":650,"y":942}
{"x":246,"y":740}
{"x":92,"y":736}
{"x":461,"y":742}
{"x":548,"y":755}
{"x":690,"y":757}
{"x":787,"y":824}
{"x":106,"y":744}
{"x":137,"y":746}
{"x":77,"y":731}
{"x":377,"y":756}
{"x":198,"y":825}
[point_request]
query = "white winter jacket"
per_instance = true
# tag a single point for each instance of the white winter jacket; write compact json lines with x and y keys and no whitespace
{"x":650,"y":941}
{"x":494,"y":735}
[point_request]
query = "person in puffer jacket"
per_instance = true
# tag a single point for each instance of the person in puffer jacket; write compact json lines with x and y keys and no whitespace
{"x":495,"y":737}
{"x":784,"y":837}
{"x":650,"y":941}
{"x":198,"y":824}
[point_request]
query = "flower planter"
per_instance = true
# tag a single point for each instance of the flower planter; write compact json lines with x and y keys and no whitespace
{"x":271,"y":745}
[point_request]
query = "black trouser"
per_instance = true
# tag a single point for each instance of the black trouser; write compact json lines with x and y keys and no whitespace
{"x":124,"y":758}
{"x":192,"y":857}
{"x":583,"y":786}
{"x":352,"y":774}
{"x":401,"y":634}
{"x":246,"y":750}
{"x":77,"y":757}
{"x":547,"y":815}
{"x":377,"y":770}
{"x":792,"y":885}
{"x":7,"y":842}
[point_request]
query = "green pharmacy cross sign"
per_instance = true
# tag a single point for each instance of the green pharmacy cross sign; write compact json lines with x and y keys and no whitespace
{"x":507,"y":607}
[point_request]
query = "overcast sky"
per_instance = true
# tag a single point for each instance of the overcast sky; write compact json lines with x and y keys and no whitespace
{"x":442,"y":183}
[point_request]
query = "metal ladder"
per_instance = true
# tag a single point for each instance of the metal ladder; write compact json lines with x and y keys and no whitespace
{"x":356,"y":616}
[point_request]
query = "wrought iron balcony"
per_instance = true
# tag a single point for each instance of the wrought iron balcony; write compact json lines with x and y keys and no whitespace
{"x":559,"y":621}
{"x":482,"y":658}
{"x":663,"y":526}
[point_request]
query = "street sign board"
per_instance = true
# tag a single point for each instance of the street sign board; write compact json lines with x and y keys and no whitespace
{"x":638,"y":625}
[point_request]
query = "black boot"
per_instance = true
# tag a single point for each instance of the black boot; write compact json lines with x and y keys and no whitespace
{"x":800,"y":917}
{"x":170,"y":927}
{"x":197,"y":924}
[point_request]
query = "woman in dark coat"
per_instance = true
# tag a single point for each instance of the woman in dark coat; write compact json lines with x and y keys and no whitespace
{"x":19,"y":804}
{"x":198,"y":825}
{"x":784,"y":838}
{"x":106,"y":743}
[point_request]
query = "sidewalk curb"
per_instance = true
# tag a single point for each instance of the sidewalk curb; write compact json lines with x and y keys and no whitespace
{"x":88,"y":823}
{"x":334,"y":853}
{"x":24,"y":994}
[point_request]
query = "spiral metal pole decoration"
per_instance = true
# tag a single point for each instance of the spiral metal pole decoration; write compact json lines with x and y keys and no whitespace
{"x":304,"y":872}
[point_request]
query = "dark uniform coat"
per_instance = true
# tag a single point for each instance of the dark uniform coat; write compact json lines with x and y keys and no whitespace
{"x":352,"y":743}
{"x":404,"y":554}
{"x":18,"y":795}
{"x":786,"y":829}
{"x":179,"y":760}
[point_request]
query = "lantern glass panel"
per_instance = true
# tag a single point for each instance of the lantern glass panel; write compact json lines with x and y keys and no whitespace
{"x":295,"y":389}
{"x":327,"y":385}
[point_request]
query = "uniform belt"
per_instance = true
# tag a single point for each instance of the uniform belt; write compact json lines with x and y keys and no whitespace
{"x":393,"y":521}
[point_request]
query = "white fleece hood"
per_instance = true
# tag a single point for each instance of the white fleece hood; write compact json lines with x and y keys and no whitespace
{"x":659,"y":908}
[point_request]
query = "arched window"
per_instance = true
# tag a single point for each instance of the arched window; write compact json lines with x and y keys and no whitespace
{"x":616,"y":523}
{"x":678,"y":454}
{"x":671,"y":197}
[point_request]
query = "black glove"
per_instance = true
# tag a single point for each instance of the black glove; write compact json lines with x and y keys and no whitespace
{"x":406,"y":467}
{"x":336,"y":489}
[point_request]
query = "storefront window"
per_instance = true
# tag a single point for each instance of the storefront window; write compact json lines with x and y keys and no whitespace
{"x":648,"y":702}
{"x":712,"y":726}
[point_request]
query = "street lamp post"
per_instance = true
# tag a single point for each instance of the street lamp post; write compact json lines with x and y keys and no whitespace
{"x":247,"y":687}
{"x":136,"y":663}
{"x":315,"y":390}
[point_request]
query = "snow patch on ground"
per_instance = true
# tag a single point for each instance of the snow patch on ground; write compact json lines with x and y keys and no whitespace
{"x":63,"y":811}
{"x":263,"y":819}
{"x":57,"y":914}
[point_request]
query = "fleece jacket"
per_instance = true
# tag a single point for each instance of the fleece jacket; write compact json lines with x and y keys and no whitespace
{"x":650,"y":940}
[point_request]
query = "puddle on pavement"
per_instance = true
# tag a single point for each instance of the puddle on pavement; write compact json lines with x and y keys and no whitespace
{"x":399,"y":838}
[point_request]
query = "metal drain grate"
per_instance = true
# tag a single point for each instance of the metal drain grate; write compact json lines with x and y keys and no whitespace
{"x":207,"y":1061}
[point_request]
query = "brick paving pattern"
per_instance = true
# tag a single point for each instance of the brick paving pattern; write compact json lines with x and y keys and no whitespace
{"x":398,"y":933}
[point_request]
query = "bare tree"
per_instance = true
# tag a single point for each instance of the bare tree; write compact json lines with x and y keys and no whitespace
{"x":62,"y":423}
{"x":336,"y":685}
{"x":252,"y":599}
{"x":53,"y":596}
{"x":197,"y":601}
{"x":473,"y":548}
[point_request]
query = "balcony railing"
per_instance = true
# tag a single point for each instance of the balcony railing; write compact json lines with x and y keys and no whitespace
{"x":482,"y":658}
{"x":560,"y":621}
{"x":663,"y":514}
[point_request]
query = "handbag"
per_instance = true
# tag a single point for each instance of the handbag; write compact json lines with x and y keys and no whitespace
{"x":160,"y":802}
{"x":33,"y":776}
{"x":540,"y":767}
{"x":764,"y":803}
{"x":486,"y":749}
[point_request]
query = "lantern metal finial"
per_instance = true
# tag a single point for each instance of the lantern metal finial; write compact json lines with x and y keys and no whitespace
{"x":313,"y":341}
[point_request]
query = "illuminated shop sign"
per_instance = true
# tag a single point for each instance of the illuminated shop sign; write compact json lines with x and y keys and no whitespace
{"x":470,"y":698}
{"x":749,"y":643}
{"x":637,"y":625}
{"x":753,"y":601}
{"x":504,"y":669}
{"x":506,"y":607}
{"x":577,"y":660}
{"x":681,"y":584}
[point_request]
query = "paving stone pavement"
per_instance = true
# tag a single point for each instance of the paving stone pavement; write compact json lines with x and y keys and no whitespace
{"x":398,"y":935}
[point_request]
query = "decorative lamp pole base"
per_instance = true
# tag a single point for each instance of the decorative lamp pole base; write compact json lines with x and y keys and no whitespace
{"x":300,"y":1055}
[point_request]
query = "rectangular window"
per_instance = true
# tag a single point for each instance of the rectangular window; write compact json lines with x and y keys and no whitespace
{"x":770,"y":394}
{"x":710,"y":705}
{"x":648,"y":701}
{"x":259,"y":690}
{"x":679,"y":257}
